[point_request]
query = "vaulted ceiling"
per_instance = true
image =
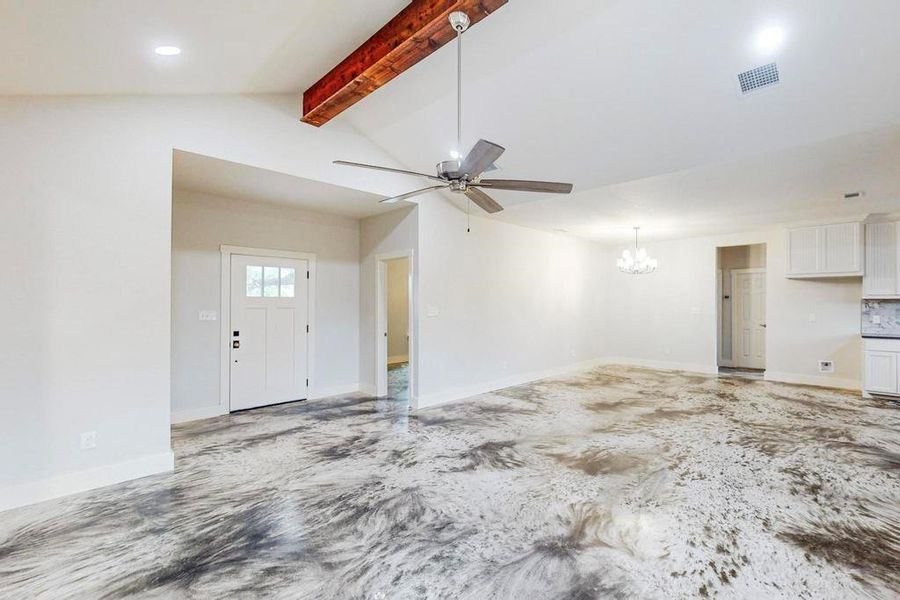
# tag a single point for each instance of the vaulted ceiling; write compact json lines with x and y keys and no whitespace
{"x":636,"y":102}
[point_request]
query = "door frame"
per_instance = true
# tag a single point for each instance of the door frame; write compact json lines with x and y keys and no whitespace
{"x":381,"y":307}
{"x":225,"y":329}
{"x":734,"y":320}
{"x":721,"y":361}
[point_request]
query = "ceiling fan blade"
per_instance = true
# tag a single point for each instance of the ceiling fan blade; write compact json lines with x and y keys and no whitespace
{"x":547,"y":187}
{"x":480,"y":158}
{"x":388,"y":169}
{"x":488,"y":204}
{"x":411,"y":194}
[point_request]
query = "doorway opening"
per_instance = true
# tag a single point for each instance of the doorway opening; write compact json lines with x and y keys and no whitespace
{"x":741,"y":310}
{"x":394,"y":335}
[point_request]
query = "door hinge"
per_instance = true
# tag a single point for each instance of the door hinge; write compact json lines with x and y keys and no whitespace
{"x":307,"y":382}
{"x":307,"y":329}
{"x":307,"y":274}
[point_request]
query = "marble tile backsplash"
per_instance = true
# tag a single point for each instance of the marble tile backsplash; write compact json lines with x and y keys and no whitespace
{"x":880,"y":318}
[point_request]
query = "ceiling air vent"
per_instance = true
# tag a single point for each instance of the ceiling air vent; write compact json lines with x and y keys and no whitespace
{"x":759,"y":77}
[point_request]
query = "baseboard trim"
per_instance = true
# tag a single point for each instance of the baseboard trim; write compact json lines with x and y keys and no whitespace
{"x":81,"y":481}
{"x":400,"y":358}
{"x":335,"y":390}
{"x":462,"y":392}
{"x":368,"y":389}
{"x":195,"y":414}
{"x":816,"y":380}
{"x":663,"y":365}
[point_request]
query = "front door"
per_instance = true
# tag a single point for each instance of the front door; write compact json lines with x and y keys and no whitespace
{"x":269,"y":330}
{"x":749,"y":292}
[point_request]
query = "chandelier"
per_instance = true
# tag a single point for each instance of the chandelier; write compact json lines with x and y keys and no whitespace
{"x":638,"y":263}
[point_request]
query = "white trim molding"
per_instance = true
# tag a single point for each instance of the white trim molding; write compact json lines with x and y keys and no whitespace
{"x":195,"y":414}
{"x":816,"y":380}
{"x":663,"y":365}
{"x":225,"y":328}
{"x":463,"y":392}
{"x":81,"y":481}
{"x":336,"y":390}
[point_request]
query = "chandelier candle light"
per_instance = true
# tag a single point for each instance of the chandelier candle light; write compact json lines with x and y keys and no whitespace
{"x":639,"y":263}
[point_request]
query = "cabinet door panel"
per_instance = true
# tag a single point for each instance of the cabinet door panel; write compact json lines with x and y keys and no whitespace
{"x":841,"y":248}
{"x":803,"y":250}
{"x":881,"y":372}
{"x":881,"y":260}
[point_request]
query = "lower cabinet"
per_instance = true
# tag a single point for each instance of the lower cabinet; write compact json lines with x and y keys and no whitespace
{"x":881,"y":372}
{"x":880,"y":366}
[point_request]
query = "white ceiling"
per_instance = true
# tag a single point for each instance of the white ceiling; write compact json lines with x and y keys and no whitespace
{"x":788,"y":186}
{"x":607,"y":92}
{"x":229,"y":46}
{"x":634,"y":102}
{"x":199,"y":173}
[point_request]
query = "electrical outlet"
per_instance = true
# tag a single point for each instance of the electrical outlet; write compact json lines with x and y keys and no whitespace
{"x":826,"y":366}
{"x":88,"y":440}
{"x":574,"y":354}
{"x":812,"y":317}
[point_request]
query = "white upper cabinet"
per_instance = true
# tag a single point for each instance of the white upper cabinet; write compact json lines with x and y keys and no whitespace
{"x":834,"y":250}
{"x":881,"y":260}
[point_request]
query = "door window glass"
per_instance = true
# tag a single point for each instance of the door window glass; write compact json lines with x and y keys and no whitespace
{"x":254,"y":281}
{"x":270,"y":282}
{"x":287,"y":282}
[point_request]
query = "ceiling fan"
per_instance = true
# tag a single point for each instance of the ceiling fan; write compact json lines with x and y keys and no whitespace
{"x":464,"y":175}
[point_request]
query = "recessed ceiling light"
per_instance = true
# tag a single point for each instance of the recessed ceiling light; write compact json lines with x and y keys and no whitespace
{"x":770,"y":39}
{"x":168,"y":50}
{"x":454,"y":155}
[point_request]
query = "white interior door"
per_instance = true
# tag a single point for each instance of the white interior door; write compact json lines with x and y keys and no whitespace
{"x":749,"y":321}
{"x":269,"y":330}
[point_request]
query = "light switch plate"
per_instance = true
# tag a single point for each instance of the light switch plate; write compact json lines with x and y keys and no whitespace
{"x":208,"y":315}
{"x":812,"y":317}
{"x":432,"y":311}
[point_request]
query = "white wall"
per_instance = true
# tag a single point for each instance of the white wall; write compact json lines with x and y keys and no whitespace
{"x":85,"y":194}
{"x":513,"y":303}
{"x":398,"y":309}
{"x":200,"y":225}
{"x":395,"y":231}
{"x":668,"y":318}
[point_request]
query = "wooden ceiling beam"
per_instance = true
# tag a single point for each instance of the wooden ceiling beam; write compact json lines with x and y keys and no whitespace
{"x":416,"y":32}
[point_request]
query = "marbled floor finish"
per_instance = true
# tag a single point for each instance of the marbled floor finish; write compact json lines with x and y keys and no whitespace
{"x":618,"y":483}
{"x":398,"y":381}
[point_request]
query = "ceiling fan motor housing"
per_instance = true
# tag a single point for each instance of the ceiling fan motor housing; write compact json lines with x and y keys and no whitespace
{"x":448,"y":169}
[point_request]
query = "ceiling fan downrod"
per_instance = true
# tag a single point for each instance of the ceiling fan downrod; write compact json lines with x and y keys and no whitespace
{"x":460,"y":22}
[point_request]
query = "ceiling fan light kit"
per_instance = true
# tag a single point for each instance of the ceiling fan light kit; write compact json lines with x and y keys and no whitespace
{"x":464,"y":175}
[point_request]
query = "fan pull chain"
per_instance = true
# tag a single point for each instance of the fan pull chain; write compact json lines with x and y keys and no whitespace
{"x":468,"y":220}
